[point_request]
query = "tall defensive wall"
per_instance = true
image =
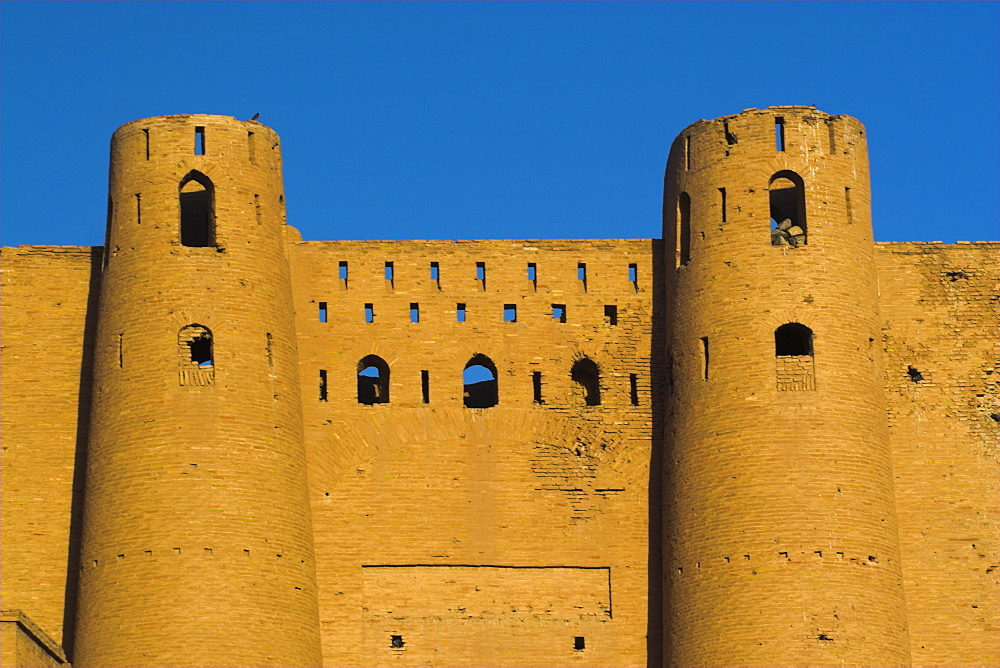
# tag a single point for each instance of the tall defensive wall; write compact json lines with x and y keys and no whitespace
{"x":782,"y":542}
{"x":197,"y":541}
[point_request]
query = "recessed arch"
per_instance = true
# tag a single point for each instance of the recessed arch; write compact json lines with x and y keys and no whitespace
{"x":373,"y":380}
{"x":587,"y":375}
{"x":196,"y":193}
{"x":479,"y":379}
{"x":196,"y":355}
{"x":787,"y":199}
{"x":793,"y":339}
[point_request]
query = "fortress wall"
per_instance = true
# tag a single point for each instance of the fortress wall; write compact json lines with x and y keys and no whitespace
{"x":940,"y":310}
{"x":46,"y":383}
{"x":421,"y":511}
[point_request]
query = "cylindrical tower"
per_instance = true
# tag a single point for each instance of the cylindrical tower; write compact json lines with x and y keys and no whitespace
{"x":781,"y":540}
{"x":197,"y":541}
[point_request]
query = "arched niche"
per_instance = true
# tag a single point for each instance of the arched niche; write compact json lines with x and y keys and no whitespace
{"x":373,"y":380}
{"x":787,"y":197}
{"x":479,"y":379}
{"x":586,"y":374}
{"x":197,"y":205}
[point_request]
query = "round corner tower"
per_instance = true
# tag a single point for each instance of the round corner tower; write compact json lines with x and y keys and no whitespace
{"x":197,"y":540}
{"x":781,"y":544}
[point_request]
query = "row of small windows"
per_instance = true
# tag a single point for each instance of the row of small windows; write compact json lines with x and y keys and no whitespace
{"x":531,"y":273}
{"x":479,"y":379}
{"x":199,"y":145}
{"x":786,"y":192}
{"x":779,"y":138}
{"x":558,"y":313}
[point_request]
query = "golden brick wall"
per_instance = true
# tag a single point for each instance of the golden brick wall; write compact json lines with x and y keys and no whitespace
{"x":512,"y":496}
{"x":23,"y":643}
{"x":941,"y":314}
{"x":747,"y":517}
{"x":781,"y":529}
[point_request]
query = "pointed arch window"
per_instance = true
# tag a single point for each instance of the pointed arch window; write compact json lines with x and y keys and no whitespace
{"x":196,"y":355}
{"x":373,"y":381}
{"x":787,"y":195}
{"x":197,"y":204}
{"x":480,"y":383}
{"x":586,"y":374}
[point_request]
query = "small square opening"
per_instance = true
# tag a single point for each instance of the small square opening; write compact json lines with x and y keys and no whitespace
{"x":396,"y":642}
{"x":510,"y":312}
{"x":579,"y":643}
{"x":559,"y":312}
{"x":611,"y":314}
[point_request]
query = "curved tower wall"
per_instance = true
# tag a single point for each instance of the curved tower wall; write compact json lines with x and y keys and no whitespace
{"x":782,"y":542}
{"x":197,"y":545}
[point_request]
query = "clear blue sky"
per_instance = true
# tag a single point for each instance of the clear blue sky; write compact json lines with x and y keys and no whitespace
{"x":505,"y":120}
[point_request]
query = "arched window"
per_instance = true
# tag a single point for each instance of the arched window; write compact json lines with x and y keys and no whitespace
{"x":197,"y":198}
{"x":196,"y":357}
{"x":793,"y":355}
{"x":373,"y":381}
{"x":793,"y":339}
{"x":788,"y":209}
{"x":683,"y":229}
{"x":587,"y":375}
{"x":480,"y":380}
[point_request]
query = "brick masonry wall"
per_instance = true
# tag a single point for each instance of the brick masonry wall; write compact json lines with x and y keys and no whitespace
{"x":48,"y":298}
{"x":941,"y":313}
{"x":521,"y":484}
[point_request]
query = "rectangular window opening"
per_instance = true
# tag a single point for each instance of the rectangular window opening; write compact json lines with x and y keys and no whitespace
{"x":256,"y":208}
{"x":436,"y":274}
{"x":138,"y":208}
{"x":510,"y":312}
{"x":251,"y":148}
{"x":847,"y":203}
{"x":611,"y":314}
{"x":579,"y":643}
{"x":779,"y":133}
{"x":322,"y":312}
{"x":120,"y":350}
{"x":389,"y":272}
{"x":425,"y":386}
{"x":536,"y":385}
{"x":833,"y":137}
{"x":322,"y":385}
{"x":633,"y":388}
{"x":481,"y":274}
{"x":460,"y":312}
{"x":270,"y":350}
{"x":687,"y":152}
{"x":704,"y":357}
{"x":559,"y":312}
{"x":396,"y":641}
{"x":581,"y":274}
{"x":342,"y":272}
{"x":369,"y":313}
{"x":146,"y":133}
{"x":722,"y":202}
{"x":533,"y":275}
{"x":633,"y":276}
{"x":414,"y":312}
{"x":199,"y":140}
{"x":730,"y":137}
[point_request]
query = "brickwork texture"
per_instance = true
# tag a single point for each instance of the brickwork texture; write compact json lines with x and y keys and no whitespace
{"x":761,"y":439}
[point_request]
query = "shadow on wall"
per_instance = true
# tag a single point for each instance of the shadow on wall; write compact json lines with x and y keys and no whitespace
{"x":660,"y":385}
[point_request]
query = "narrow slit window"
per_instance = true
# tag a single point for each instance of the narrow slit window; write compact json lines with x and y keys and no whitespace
{"x":510,"y":312}
{"x":436,"y":274}
{"x":199,"y":140}
{"x":373,"y":380}
{"x":633,"y":389}
{"x":533,"y":274}
{"x":847,"y":205}
{"x":704,"y":357}
{"x":369,"y":313}
{"x":683,"y":229}
{"x":579,"y":643}
{"x":833,"y":136}
{"x":414,"y":312}
{"x":730,"y":137}
{"x":270,"y":350}
{"x":256,"y":208}
{"x":559,"y":312}
{"x":480,"y":383}
{"x":322,"y":312}
{"x":536,"y":387}
{"x":460,"y":312}
{"x":145,"y":132}
{"x":481,"y":274}
{"x":581,"y":274}
{"x":197,"y":205}
{"x":390,"y":272}
{"x":138,"y":208}
{"x":120,"y":350}
{"x":687,"y":152}
{"x":342,"y":274}
{"x":779,"y":133}
{"x":586,"y":374}
{"x":252,"y":148}
{"x":633,"y":276}
{"x":722,"y":203}
{"x":425,"y":386}
{"x":323,"y":393}
{"x":611,"y":314}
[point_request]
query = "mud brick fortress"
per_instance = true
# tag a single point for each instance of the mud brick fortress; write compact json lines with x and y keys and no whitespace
{"x":761,"y":439}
